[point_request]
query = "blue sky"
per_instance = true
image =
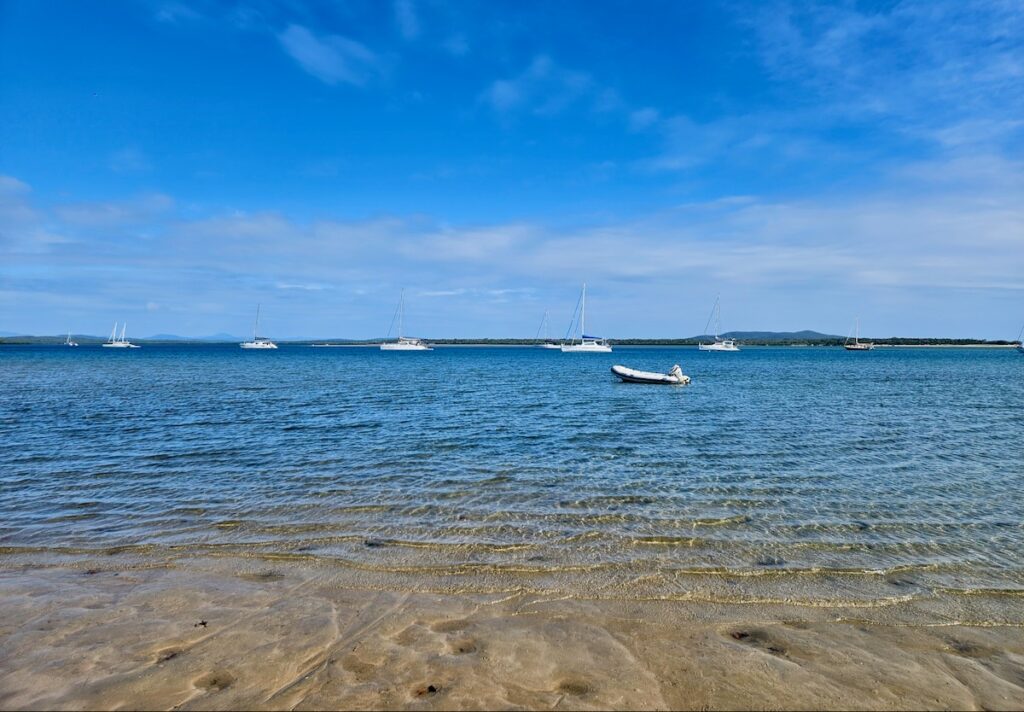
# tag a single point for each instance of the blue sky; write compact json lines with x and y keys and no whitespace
{"x":174,"y":164}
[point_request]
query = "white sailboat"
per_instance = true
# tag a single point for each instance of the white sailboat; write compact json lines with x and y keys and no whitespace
{"x":857,"y":344}
{"x":548,"y":342}
{"x":584,"y":344}
{"x":719,"y":343}
{"x":404,"y":343}
{"x":258,"y":342}
{"x":69,"y":342}
{"x":119,"y":342}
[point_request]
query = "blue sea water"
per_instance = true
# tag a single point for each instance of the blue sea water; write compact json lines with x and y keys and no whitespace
{"x":795,"y":474}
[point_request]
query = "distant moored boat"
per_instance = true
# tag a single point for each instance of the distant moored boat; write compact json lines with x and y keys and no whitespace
{"x":719,"y":343}
{"x":258,"y":342}
{"x":404,"y":343}
{"x":69,"y":342}
{"x":119,"y":342}
{"x":548,"y":342}
{"x":585,"y":344}
{"x":857,"y":344}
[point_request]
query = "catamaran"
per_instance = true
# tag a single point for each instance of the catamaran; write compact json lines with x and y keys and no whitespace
{"x":857,"y":344}
{"x":548,"y":342}
{"x":119,"y":342}
{"x":404,"y":343}
{"x":719,"y":344}
{"x":258,"y":342}
{"x":69,"y":342}
{"x":580,"y":342}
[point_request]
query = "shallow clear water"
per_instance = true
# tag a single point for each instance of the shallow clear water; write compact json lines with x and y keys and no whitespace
{"x":797,"y":474}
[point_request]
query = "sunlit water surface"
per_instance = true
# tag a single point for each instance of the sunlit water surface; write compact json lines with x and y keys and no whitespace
{"x":796,"y":474}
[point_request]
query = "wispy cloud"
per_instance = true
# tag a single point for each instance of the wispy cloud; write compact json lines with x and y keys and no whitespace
{"x":115,"y":213}
{"x":544,"y":87}
{"x":407,"y":19}
{"x":332,"y":59}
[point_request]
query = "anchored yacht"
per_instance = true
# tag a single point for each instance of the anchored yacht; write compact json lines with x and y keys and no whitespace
{"x":404,"y":343}
{"x":119,"y":342}
{"x":856,"y":344}
{"x":258,"y":342}
{"x":581,"y":342}
{"x":548,"y":342}
{"x":719,"y":343}
{"x":69,"y":342}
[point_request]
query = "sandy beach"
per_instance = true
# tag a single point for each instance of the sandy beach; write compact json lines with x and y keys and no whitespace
{"x":294,"y":638}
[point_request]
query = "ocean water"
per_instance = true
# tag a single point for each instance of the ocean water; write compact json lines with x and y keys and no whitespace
{"x":806,"y":475}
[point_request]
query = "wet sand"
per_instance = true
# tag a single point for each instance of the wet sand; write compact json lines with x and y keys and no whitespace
{"x":299,"y":638}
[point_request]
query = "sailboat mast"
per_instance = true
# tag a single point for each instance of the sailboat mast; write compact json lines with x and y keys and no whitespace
{"x":401,"y":315}
{"x":583,"y":313}
{"x":124,"y":326}
{"x":856,"y":331}
{"x":256,"y":326}
{"x":718,"y":319}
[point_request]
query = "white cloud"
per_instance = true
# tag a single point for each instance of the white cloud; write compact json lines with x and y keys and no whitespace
{"x":332,"y":59}
{"x":407,"y":19}
{"x":115,"y":213}
{"x":544,"y":88}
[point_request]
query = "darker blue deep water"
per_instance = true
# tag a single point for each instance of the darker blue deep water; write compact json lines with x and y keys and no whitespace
{"x":791,"y":473}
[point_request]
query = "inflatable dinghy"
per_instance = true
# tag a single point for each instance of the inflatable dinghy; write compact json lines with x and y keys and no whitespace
{"x":631,"y":375}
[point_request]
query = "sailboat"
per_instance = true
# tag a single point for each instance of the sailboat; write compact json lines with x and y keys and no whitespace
{"x":258,"y":342}
{"x":719,"y":344}
{"x":69,"y":342}
{"x":119,"y":342}
{"x":857,"y":344}
{"x":1020,"y":344}
{"x":585,"y":344}
{"x":548,"y":342}
{"x":404,"y":343}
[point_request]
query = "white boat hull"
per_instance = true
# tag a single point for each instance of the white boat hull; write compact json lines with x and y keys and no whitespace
{"x":553,"y":347}
{"x":263,"y":345}
{"x":586,"y":349}
{"x":718,"y":347}
{"x":121,"y":345}
{"x":405,"y":347}
{"x":675,"y":377}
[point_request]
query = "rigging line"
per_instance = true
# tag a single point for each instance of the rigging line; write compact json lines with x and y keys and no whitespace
{"x":711,"y":316}
{"x":574,"y":313}
{"x":393,"y":318}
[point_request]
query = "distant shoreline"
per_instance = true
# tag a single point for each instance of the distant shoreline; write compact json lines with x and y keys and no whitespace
{"x":525,"y":343}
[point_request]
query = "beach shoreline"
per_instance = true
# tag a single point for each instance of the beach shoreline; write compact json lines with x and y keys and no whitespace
{"x":294,"y":638}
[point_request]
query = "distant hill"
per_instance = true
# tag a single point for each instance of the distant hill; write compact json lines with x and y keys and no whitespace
{"x":805,"y":335}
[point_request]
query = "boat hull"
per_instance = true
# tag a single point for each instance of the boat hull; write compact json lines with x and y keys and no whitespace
{"x":260,"y":345}
{"x":859,"y":347}
{"x":121,"y":345}
{"x":404,"y":347}
{"x":581,"y":349}
{"x":631,"y":375}
{"x":717,"y":347}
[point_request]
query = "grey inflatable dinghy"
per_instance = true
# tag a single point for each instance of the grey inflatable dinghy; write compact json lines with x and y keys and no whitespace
{"x":675,"y":377}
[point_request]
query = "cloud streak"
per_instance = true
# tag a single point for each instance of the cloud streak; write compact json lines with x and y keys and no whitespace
{"x":332,"y":59}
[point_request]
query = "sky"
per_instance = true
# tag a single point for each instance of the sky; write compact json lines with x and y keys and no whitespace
{"x":173,"y":165}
